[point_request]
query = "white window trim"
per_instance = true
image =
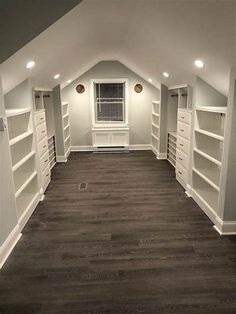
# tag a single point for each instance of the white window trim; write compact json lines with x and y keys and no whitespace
{"x":92,"y":104}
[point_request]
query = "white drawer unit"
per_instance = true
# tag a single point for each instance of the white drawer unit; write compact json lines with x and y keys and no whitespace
{"x":182,"y":158}
{"x":46,"y":177}
{"x":41,"y":131}
{"x":42,"y":146}
{"x":181,"y":174}
{"x":183,"y":146}
{"x":184,"y":116}
{"x":183,"y":130}
{"x":44,"y":160}
{"x":39,"y":117}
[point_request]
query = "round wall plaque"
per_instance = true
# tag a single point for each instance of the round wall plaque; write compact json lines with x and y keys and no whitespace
{"x":138,"y":88}
{"x":80,"y":88}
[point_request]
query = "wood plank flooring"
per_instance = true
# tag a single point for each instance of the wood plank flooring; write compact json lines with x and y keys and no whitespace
{"x":132,"y":242}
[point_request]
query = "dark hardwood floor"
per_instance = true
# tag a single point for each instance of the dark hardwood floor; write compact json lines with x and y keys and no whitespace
{"x":132,"y":242}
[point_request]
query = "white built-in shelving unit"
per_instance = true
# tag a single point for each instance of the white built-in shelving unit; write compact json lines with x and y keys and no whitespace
{"x":52,"y":151}
{"x":155,"y":128}
{"x":209,"y":130}
{"x":23,"y":159}
{"x":66,"y":127}
{"x":171,"y":148}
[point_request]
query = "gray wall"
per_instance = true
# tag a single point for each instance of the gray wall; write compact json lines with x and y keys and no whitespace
{"x":206,"y":94}
{"x":139,"y":104}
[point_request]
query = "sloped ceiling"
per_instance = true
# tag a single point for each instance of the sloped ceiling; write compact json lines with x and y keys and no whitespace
{"x":23,"y":20}
{"x":148,"y":36}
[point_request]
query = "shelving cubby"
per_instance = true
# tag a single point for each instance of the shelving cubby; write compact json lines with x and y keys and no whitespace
{"x":208,"y":150}
{"x":23,"y":159}
{"x":155,"y":126}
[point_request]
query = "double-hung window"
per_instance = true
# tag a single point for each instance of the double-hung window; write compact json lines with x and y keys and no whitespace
{"x":109,"y":102}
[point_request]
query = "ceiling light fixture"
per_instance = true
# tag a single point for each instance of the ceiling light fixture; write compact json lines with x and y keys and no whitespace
{"x":30,"y":64}
{"x":56,"y":76}
{"x":165,"y":74}
{"x":199,"y":63}
{"x":150,"y":80}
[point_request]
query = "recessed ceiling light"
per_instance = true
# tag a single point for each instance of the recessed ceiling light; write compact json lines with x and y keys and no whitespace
{"x":199,"y":63}
{"x":150,"y":80}
{"x":56,"y":76}
{"x":165,"y":74}
{"x":30,"y":64}
{"x":69,"y":81}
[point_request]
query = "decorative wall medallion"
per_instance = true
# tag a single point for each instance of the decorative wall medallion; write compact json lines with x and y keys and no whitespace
{"x":80,"y":88}
{"x":138,"y":88}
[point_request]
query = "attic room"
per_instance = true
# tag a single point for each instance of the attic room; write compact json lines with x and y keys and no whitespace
{"x":118,"y":156}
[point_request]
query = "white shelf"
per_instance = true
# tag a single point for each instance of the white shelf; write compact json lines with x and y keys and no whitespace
{"x":212,"y":133}
{"x":64,"y":103}
{"x":210,"y":155}
{"x":156,"y":102}
{"x":65,"y":115}
{"x":153,"y":135}
{"x":22,"y":161}
{"x":203,"y":172}
{"x":68,"y":137}
{"x":171,"y":161}
{"x":172,"y":133}
{"x":156,"y":126}
{"x":50,"y":136}
{"x":155,"y":114}
{"x":16,"y":112}
{"x":20,"y":137}
{"x":66,"y":127}
{"x":213,"y":109}
{"x":25,"y":184}
{"x":172,"y":146}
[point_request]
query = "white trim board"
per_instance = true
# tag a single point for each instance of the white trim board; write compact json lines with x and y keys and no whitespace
{"x":225,"y":227}
{"x":90,"y":148}
{"x":9,"y":244}
{"x":161,"y":156}
{"x":61,"y":159}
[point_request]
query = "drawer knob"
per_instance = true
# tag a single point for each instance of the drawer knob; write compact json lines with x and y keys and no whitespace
{"x":180,"y":158}
{"x":46,"y":160}
{"x":44,"y":146}
{"x":181,"y":144}
{"x":43,"y":131}
{"x":182,"y":118}
{"x":41,"y":118}
{"x":181,"y":130}
{"x":47,"y":175}
{"x":179,"y":172}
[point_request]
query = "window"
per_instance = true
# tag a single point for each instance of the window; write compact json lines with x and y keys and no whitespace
{"x":109,"y":102}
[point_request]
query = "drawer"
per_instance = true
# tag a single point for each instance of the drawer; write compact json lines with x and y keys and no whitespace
{"x":182,"y":158}
{"x":42,"y":146}
{"x":46,"y":177}
{"x":183,"y":130}
{"x":44,"y":160}
{"x":41,"y":131}
{"x":181,"y":172}
{"x":183,"y":145}
{"x":39,"y":117}
{"x":184,"y":116}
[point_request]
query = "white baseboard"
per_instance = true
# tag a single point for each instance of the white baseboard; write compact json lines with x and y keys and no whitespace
{"x":61,"y":159}
{"x":28,"y":212}
{"x":225,"y":227}
{"x":188,"y":191}
{"x":204,"y":206}
{"x":161,"y":156}
{"x":88,"y":148}
{"x":9,"y":244}
{"x":140,"y":147}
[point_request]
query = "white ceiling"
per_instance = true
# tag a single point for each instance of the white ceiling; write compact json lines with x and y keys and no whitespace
{"x":148,"y":36}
